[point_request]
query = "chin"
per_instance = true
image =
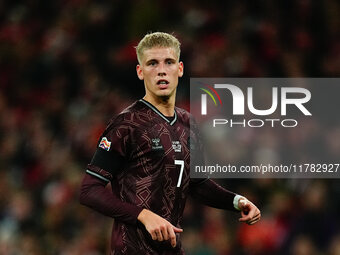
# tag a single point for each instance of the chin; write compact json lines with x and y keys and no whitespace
{"x":164,"y":92}
{"x":164,"y":96}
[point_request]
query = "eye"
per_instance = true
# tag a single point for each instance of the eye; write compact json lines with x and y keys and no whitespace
{"x":169,"y":62}
{"x":152,"y":63}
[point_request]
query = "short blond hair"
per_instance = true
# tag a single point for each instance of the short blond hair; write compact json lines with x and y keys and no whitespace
{"x":157,"y":39}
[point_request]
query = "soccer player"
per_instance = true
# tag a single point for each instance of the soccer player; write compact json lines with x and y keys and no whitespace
{"x":145,"y":154}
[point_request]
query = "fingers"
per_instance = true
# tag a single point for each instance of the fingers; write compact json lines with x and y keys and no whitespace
{"x":153,"y":235}
{"x":177,"y":230}
{"x":172,"y":236}
{"x":248,"y":218}
{"x":250,"y":214}
{"x":254,"y":220}
{"x":159,"y":228}
{"x":247,"y":214}
{"x":161,"y":233}
{"x":165,"y":232}
{"x":244,"y":219}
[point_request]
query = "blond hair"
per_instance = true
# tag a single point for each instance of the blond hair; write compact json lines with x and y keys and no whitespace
{"x":157,"y":39}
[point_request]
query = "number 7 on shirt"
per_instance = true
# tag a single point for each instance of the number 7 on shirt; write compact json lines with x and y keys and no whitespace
{"x":180,"y":163}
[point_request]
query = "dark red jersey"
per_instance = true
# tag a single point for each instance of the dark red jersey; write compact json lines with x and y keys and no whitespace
{"x":146,"y":157}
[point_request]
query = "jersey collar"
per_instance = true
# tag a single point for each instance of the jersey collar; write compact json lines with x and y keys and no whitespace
{"x":159,"y":113}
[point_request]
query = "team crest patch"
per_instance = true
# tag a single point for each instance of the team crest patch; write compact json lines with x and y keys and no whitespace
{"x":105,"y":144}
{"x":156,"y":144}
{"x":176,"y":145}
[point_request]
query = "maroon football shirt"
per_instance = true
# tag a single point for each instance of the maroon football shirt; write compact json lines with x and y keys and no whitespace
{"x":146,"y":157}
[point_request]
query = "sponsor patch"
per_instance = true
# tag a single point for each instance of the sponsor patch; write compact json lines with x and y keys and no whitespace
{"x":156,"y":144}
{"x":105,"y":144}
{"x":176,"y":145}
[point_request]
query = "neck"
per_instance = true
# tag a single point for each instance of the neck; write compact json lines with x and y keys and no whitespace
{"x":166,"y":105}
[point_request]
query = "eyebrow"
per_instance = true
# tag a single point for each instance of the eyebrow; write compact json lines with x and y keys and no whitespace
{"x":156,"y":60}
{"x":171,"y":59}
{"x":151,"y":60}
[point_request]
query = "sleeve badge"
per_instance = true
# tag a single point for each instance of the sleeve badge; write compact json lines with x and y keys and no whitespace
{"x":105,"y":144}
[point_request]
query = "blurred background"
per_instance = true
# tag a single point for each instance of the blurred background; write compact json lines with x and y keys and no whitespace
{"x":67,"y":66}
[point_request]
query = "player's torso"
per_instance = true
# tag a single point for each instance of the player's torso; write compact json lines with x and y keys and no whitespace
{"x":156,"y":175}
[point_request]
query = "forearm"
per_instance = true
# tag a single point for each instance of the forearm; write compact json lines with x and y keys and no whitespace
{"x":211,"y":194}
{"x":94,"y":195}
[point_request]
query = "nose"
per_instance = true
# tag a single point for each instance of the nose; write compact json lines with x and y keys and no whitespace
{"x":161,"y":70}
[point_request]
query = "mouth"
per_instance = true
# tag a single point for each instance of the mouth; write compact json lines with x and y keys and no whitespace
{"x":162,"y":84}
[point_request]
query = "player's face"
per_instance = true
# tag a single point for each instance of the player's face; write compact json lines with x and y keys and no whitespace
{"x":160,"y":70}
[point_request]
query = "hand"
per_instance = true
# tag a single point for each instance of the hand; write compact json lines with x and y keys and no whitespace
{"x":159,"y":228}
{"x":249,"y":212}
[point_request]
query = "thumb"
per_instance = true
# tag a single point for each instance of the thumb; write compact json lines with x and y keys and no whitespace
{"x":246,"y":214}
{"x":245,"y":210}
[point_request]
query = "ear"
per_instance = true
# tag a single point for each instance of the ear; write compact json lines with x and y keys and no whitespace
{"x":180,"y":69}
{"x":139,"y":72}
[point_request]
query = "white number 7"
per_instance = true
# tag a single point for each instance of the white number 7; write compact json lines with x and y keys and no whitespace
{"x":181,"y":163}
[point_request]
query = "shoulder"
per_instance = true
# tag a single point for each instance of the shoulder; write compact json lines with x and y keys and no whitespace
{"x":124,"y":115}
{"x":184,"y":116}
{"x":129,"y":118}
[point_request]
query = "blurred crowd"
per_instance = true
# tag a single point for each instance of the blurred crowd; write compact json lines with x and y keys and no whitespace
{"x":68,"y":66}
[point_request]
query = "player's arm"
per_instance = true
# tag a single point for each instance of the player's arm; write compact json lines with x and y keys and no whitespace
{"x":210,"y":193}
{"x":94,"y":194}
{"x":107,"y":162}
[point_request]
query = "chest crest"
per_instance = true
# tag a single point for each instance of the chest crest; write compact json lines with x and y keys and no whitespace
{"x":176,"y":145}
